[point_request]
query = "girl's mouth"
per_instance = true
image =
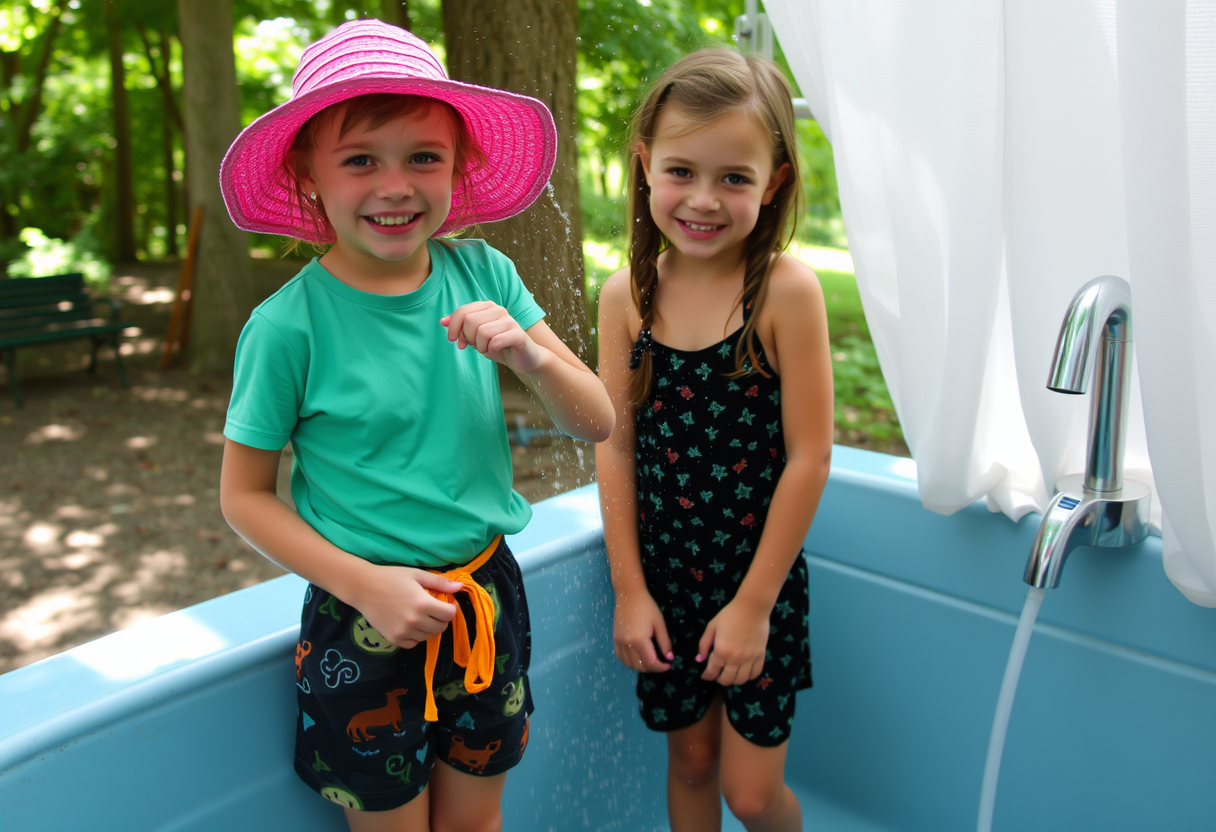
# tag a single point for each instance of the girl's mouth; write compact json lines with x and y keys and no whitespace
{"x":699,"y":230}
{"x":394,"y":224}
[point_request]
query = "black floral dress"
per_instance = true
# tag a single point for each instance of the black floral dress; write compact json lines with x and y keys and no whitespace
{"x":710,"y":450}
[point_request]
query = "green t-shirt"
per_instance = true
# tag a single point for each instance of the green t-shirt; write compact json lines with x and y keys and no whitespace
{"x":400,"y":444}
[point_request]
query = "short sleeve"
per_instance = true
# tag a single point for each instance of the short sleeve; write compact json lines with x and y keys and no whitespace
{"x":267,"y":387}
{"x":516,"y":298}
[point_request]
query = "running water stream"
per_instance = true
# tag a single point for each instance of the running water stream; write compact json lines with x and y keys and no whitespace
{"x":1004,"y":706}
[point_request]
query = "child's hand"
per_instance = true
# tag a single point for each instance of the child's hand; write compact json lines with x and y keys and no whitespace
{"x":733,"y":644}
{"x":491,"y":330}
{"x":637,"y":624}
{"x":399,"y":604}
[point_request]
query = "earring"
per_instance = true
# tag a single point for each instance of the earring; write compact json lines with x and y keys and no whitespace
{"x":313,"y":196}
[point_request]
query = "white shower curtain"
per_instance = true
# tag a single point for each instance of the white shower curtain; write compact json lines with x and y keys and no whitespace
{"x":992,"y":157}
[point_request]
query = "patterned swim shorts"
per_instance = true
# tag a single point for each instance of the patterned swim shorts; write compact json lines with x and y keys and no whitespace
{"x":362,"y":740}
{"x":761,"y":710}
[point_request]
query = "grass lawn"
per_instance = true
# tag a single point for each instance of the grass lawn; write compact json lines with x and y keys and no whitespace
{"x":865,"y":416}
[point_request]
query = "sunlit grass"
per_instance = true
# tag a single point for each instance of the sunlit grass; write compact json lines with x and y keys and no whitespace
{"x":601,"y":258}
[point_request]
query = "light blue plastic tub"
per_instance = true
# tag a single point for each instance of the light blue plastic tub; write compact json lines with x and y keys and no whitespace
{"x":186,"y":722}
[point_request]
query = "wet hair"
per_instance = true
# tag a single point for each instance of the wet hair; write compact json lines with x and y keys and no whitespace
{"x":703,"y":86}
{"x":372,"y":110}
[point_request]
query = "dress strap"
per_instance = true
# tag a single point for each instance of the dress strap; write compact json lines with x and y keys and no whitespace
{"x":641,"y":347}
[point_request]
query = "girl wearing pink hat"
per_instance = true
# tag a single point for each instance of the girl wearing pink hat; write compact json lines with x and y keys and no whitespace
{"x":402,"y":473}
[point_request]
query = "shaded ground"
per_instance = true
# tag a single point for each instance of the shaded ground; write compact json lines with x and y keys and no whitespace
{"x":109,"y":509}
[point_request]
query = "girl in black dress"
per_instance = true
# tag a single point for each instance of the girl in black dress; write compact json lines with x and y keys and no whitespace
{"x":714,"y":346}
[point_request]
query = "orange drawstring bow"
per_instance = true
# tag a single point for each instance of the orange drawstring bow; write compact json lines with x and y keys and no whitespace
{"x":478,"y":657}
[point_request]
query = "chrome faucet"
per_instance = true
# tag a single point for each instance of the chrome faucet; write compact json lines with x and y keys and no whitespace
{"x":1097,"y":508}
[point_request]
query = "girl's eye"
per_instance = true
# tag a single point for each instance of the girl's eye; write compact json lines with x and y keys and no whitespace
{"x":736,"y":179}
{"x":360,"y":161}
{"x":423,"y":158}
{"x":680,"y":173}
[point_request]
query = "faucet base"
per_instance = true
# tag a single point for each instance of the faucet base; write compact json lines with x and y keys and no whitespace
{"x":1077,"y":516}
{"x":1121,"y":516}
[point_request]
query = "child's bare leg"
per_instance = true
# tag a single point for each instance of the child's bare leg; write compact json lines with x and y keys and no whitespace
{"x":753,"y":783}
{"x":694,"y":801}
{"x":464,"y":802}
{"x":414,"y":815}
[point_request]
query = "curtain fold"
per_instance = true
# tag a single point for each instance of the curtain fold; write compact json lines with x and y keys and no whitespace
{"x":992,"y":157}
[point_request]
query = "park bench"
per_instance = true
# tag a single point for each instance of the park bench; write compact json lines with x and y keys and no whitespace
{"x":38,"y":310}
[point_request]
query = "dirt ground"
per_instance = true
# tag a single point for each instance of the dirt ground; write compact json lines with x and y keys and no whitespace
{"x":109,"y":508}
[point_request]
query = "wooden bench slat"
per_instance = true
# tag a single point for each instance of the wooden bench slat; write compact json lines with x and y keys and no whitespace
{"x":13,"y":302}
{"x":49,"y":312}
{"x":58,"y":284}
{"x":72,"y":329}
{"x":45,"y":314}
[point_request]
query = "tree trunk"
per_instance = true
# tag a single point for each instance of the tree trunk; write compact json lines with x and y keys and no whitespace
{"x":529,"y":47}
{"x":26,"y":112}
{"x":223,"y":280}
{"x":166,"y":128}
{"x":124,"y":178}
{"x":170,"y":116}
{"x":396,"y":12}
{"x":31,"y":107}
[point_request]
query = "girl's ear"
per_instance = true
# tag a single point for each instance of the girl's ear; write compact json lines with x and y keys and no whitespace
{"x":644,"y":156}
{"x":302,"y":171}
{"x":774,"y":182}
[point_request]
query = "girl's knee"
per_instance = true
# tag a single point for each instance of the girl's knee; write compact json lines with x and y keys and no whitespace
{"x":482,"y":824}
{"x":753,"y":800}
{"x":694,"y":762}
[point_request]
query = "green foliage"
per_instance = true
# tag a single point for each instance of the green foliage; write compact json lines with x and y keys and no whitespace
{"x":864,"y":412}
{"x":821,"y":224}
{"x":626,"y":44}
{"x":603,"y":215}
{"x":863,"y":404}
{"x":47,"y":256}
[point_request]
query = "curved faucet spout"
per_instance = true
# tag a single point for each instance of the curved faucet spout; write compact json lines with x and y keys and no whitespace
{"x":1062,"y":529}
{"x":1100,"y":316}
{"x":1104,"y":303}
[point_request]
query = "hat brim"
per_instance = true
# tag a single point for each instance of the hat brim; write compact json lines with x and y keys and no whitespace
{"x":515,"y":133}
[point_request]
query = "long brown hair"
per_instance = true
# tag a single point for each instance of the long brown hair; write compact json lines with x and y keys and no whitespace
{"x":374,"y":110}
{"x":704,"y":86}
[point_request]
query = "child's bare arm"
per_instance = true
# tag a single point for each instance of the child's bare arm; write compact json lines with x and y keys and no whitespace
{"x":637,"y":622}
{"x":738,"y":634}
{"x":572,"y":394}
{"x":394,"y":599}
{"x":574,"y":398}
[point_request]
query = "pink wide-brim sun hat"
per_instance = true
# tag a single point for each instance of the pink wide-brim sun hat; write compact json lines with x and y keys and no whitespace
{"x":515,"y":132}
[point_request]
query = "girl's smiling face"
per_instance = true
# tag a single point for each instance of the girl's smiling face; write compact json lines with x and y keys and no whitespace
{"x":708,"y":182}
{"x":385,"y":189}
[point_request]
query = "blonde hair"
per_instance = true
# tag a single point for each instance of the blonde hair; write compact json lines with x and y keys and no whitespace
{"x":704,"y":86}
{"x":373,"y":110}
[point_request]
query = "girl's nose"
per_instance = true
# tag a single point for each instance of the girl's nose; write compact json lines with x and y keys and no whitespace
{"x":703,"y":199}
{"x":395,"y":184}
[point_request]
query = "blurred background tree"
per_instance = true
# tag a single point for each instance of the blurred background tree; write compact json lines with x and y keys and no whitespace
{"x":530,"y":47}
